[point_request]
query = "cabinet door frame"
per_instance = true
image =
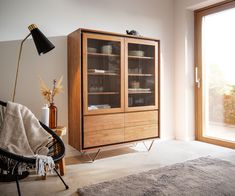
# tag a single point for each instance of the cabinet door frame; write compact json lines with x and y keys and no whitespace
{"x":156,"y":79}
{"x":85,"y":37}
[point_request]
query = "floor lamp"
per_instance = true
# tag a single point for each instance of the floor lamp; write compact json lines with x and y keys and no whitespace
{"x":42,"y":44}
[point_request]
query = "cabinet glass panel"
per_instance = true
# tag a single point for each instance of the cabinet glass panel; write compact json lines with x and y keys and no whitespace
{"x":141,"y":75}
{"x":103,"y":74}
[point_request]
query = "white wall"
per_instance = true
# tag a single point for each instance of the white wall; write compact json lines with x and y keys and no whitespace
{"x":49,"y":66}
{"x":57,"y":18}
{"x":60,"y":17}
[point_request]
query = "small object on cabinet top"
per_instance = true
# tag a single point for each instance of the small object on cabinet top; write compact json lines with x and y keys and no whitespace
{"x":132,"y":32}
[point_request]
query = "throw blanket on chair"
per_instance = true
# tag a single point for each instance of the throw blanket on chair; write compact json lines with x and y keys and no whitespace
{"x":21,"y":132}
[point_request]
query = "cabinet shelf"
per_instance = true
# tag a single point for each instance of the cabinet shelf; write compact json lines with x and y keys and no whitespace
{"x":103,"y":93}
{"x":140,"y":92}
{"x":140,"y":74}
{"x":103,"y":74}
{"x":101,"y":54}
{"x":140,"y":57}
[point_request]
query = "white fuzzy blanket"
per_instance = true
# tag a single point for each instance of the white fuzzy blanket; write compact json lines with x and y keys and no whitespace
{"x":21,"y":132}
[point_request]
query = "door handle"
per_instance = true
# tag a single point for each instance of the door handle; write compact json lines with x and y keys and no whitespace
{"x":197,"y":80}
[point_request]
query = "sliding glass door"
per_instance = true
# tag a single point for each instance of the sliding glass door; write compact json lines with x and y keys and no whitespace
{"x":215,"y":74}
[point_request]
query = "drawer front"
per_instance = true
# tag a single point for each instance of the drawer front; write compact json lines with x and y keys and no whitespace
{"x":141,"y":118}
{"x":103,"y":122}
{"x":141,"y":132}
{"x":103,"y":137}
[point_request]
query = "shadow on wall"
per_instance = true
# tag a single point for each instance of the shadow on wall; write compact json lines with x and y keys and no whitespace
{"x":49,"y":66}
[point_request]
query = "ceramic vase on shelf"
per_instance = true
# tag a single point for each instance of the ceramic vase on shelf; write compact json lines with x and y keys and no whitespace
{"x":45,"y":115}
{"x":52,"y":116}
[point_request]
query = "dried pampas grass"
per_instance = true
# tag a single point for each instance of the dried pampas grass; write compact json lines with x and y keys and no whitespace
{"x":48,"y":94}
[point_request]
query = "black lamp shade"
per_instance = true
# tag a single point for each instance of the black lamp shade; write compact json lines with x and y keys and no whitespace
{"x":42,"y":44}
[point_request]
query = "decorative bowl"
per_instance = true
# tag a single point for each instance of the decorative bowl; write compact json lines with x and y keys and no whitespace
{"x":106,"y":49}
{"x":91,"y":50}
{"x":136,"y":53}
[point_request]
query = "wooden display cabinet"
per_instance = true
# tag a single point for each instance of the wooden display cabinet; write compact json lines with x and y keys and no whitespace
{"x":113,"y":88}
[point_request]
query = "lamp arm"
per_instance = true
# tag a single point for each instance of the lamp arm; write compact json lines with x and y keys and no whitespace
{"x":18,"y":65}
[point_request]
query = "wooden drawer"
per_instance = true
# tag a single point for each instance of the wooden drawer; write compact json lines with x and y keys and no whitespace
{"x":141,"y":118}
{"x":141,"y":132}
{"x":102,"y":122}
{"x":103,"y":137}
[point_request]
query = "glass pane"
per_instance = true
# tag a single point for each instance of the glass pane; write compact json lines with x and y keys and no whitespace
{"x":218,"y":61}
{"x":103,"y":62}
{"x":141,"y":75}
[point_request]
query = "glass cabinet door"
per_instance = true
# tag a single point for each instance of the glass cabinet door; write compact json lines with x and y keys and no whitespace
{"x":103,"y":74}
{"x":141,"y":75}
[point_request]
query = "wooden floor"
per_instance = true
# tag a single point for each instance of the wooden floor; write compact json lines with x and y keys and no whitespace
{"x":113,"y":164}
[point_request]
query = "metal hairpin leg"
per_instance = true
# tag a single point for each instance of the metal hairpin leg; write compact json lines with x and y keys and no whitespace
{"x":17,"y":184}
{"x":134,"y":144}
{"x":92,"y":159}
{"x":149,"y":148}
{"x":15,"y":172}
{"x":82,"y":153}
{"x":66,"y":186}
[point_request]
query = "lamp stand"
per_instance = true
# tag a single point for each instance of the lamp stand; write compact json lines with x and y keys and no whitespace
{"x":18,"y":65}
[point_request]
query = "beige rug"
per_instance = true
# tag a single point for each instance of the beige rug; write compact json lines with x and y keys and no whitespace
{"x":205,"y":176}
